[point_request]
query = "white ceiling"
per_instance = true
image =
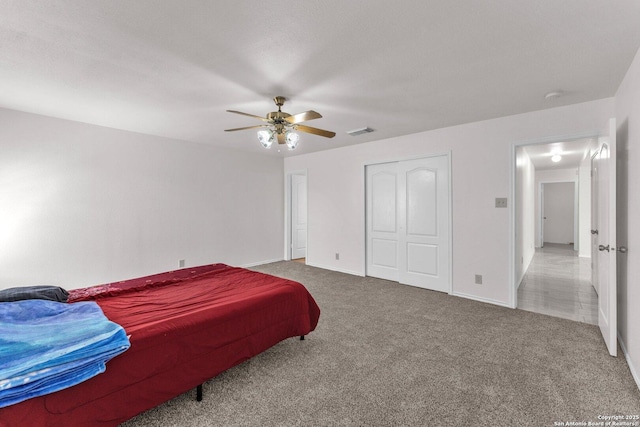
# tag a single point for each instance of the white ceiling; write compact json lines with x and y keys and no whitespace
{"x":571,"y":153}
{"x":172,"y":68}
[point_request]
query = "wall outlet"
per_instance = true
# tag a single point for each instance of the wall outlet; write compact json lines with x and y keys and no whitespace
{"x":337,"y":256}
{"x":478,"y":279}
{"x":181,"y":263}
{"x":501,"y":202}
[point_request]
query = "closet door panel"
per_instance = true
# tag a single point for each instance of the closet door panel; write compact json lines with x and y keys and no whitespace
{"x":383,"y":202}
{"x":424,"y":223}
{"x":422,"y":218}
{"x":422,"y":259}
{"x":382,"y":221}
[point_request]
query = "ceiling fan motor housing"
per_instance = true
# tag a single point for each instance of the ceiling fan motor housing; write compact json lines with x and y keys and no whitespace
{"x":278,"y":120}
{"x":277,"y":116}
{"x":279,"y":100}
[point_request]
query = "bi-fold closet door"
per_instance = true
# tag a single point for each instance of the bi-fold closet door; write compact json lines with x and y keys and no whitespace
{"x":408,"y":222}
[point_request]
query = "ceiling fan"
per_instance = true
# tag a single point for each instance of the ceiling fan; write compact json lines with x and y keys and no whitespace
{"x":282,"y":126}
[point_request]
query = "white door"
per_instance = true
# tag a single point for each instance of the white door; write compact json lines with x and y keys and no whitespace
{"x":605,"y":162}
{"x":408,"y":226}
{"x":382,"y":221}
{"x":594,"y":222}
{"x":558,"y":214}
{"x":424,"y":227}
{"x":298,"y":216}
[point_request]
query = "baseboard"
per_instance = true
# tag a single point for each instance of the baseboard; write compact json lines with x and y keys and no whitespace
{"x":268,"y":261}
{"x":480,"y":299}
{"x":632,"y":368}
{"x":339,"y":270}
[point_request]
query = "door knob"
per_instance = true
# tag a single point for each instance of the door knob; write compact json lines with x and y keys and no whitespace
{"x":603,"y":248}
{"x":622,"y":249}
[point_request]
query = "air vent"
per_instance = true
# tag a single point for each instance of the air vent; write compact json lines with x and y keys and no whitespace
{"x":357,"y":132}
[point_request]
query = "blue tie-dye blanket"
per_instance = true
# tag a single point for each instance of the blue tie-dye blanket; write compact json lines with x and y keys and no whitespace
{"x":47,"y":346}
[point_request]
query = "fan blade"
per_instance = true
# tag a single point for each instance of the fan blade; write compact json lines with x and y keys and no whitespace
{"x":316,"y":131}
{"x":247,"y":127}
{"x":303,"y":117}
{"x":247,"y":114}
{"x":280,"y":138}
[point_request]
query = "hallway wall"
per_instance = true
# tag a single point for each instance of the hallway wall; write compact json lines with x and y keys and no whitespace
{"x":525,"y":219}
{"x":584,"y":207}
{"x":627,"y":109}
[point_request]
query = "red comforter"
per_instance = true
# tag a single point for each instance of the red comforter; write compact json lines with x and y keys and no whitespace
{"x":185,"y":327}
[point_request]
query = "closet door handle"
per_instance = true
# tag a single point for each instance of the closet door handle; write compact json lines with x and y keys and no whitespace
{"x":603,"y":248}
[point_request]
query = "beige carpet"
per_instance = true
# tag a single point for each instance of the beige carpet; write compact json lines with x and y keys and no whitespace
{"x":385,"y":354}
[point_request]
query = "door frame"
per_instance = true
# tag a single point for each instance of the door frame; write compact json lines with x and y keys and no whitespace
{"x":513,"y":289}
{"x":363,"y":176}
{"x":287,"y":212}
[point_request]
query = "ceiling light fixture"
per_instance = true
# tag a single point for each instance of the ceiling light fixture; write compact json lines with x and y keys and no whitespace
{"x":281,"y":132}
{"x":291,"y":139}
{"x":556,"y":158}
{"x":266,"y":137}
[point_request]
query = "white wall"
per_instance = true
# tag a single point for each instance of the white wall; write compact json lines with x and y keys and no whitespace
{"x":83,"y":204}
{"x":550,"y":175}
{"x":525,"y":221}
{"x":627,"y":109}
{"x":584,"y":207}
{"x":481,"y":171}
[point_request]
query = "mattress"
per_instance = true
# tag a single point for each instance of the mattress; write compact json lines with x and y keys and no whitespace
{"x":185,"y":327}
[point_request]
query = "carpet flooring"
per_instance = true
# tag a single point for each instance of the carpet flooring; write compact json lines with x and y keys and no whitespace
{"x":386,"y":354}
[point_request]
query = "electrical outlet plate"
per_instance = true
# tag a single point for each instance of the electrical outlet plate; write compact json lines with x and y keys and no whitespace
{"x":478,"y":279}
{"x":501,"y":202}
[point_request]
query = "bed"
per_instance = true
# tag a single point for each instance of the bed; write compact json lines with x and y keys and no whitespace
{"x":185,"y":327}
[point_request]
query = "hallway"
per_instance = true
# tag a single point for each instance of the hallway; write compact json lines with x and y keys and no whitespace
{"x":558,"y":283}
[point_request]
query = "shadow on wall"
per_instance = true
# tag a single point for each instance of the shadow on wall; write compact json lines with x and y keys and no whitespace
{"x":622,"y":216}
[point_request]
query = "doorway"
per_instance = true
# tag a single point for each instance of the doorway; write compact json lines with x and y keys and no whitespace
{"x":296,"y":224}
{"x":598,"y":234}
{"x":558,"y":211}
{"x":552,"y":230}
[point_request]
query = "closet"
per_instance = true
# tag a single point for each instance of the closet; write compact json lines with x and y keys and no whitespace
{"x":408,"y":222}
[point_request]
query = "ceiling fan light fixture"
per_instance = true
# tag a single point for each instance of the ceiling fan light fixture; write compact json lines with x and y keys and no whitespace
{"x":282,"y":126}
{"x":266,"y":137}
{"x":291,"y":138}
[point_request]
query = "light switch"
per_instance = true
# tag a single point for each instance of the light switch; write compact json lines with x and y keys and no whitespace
{"x":501,"y":202}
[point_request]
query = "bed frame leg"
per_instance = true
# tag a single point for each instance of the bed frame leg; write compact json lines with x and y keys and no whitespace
{"x":199,"y":393}
{"x":301,"y":337}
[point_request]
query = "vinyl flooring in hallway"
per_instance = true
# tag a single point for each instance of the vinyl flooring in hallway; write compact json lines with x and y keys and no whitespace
{"x":558,"y":283}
